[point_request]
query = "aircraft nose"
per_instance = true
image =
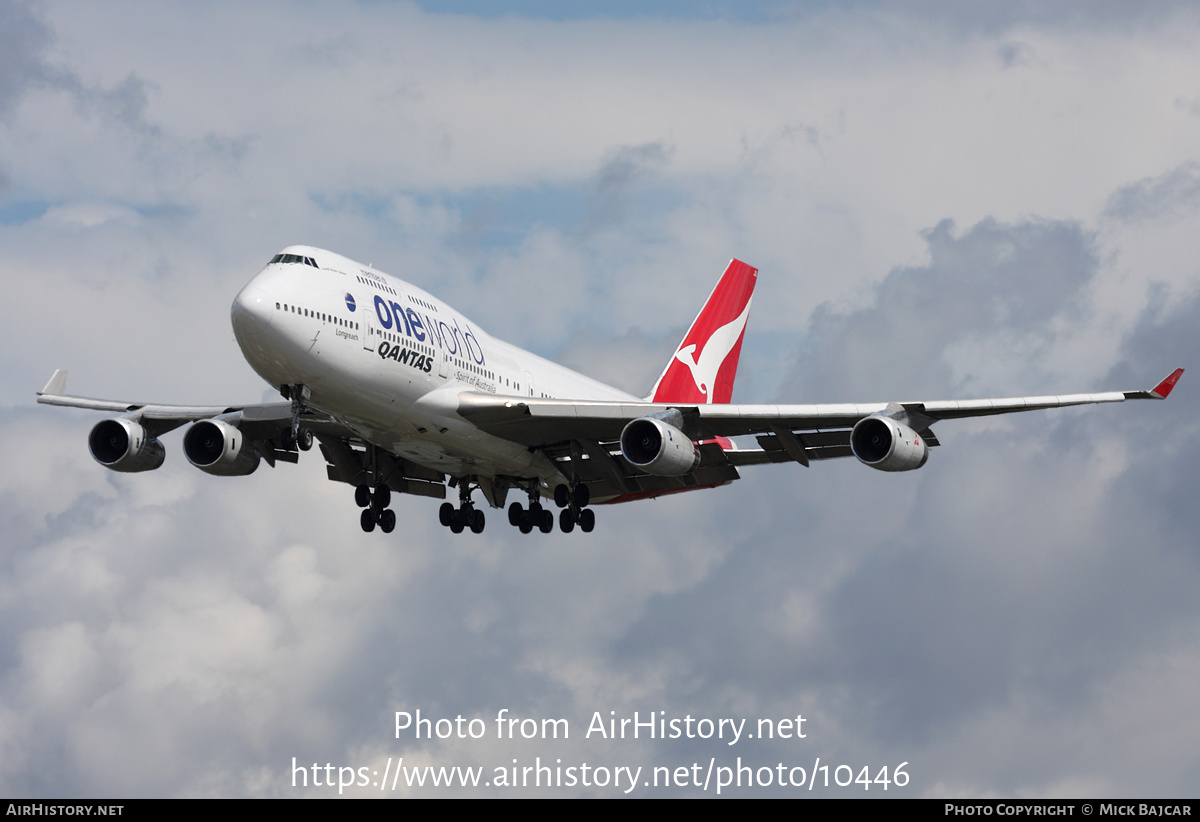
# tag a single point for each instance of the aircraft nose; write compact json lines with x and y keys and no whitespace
{"x":251,"y":311}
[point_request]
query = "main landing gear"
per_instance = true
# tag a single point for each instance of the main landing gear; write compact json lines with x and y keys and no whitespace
{"x":466,"y":515}
{"x":572,"y":501}
{"x":375,"y":508}
{"x":534,"y":517}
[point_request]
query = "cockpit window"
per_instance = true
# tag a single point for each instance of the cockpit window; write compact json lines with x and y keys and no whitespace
{"x":294,"y":258}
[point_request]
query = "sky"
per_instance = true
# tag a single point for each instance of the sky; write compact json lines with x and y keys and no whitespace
{"x":943,"y":200}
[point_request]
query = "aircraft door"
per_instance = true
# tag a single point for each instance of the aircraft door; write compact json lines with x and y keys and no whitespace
{"x":369,"y":339}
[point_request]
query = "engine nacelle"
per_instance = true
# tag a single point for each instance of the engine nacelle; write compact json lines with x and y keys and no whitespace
{"x":123,"y":445}
{"x":216,"y":447}
{"x":657,"y":447}
{"x":887,"y":445}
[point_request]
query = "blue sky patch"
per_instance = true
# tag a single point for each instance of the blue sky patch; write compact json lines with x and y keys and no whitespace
{"x":22,"y":211}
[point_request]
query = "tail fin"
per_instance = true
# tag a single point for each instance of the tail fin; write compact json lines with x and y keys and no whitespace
{"x":703,"y":369}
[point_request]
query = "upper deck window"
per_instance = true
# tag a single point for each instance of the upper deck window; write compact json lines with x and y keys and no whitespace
{"x":294,"y":258}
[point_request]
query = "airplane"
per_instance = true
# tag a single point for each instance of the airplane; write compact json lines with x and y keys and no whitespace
{"x":404,"y":394}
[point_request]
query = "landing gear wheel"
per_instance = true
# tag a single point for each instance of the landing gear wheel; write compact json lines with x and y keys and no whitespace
{"x":566,"y":521}
{"x":547,"y":523}
{"x":382,"y":496}
{"x":446,"y":514}
{"x":515,"y":512}
{"x":456,"y":522}
{"x":562,"y":496}
{"x":286,"y":443}
{"x":304,"y":439}
{"x":362,"y":496}
{"x":587,"y":520}
{"x":526,"y":525}
{"x":387,"y":521}
{"x":477,"y":522}
{"x":367,"y":520}
{"x":582,"y":495}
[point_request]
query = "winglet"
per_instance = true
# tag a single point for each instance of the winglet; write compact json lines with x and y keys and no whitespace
{"x":1161,"y":390}
{"x":58,"y":384}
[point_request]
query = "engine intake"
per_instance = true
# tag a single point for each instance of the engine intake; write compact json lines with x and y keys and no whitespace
{"x":217,"y":447}
{"x":659,"y":448}
{"x":887,"y":445}
{"x":123,"y":445}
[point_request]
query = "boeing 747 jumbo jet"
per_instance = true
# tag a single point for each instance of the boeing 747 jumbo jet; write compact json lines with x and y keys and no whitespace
{"x":406,"y":395}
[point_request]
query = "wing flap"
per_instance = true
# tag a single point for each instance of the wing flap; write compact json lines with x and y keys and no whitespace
{"x":358,"y":463}
{"x":644,"y":486}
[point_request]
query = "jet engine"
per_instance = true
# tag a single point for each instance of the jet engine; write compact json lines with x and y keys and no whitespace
{"x":217,"y":447}
{"x":659,"y":448}
{"x":887,"y":445}
{"x":123,"y":445}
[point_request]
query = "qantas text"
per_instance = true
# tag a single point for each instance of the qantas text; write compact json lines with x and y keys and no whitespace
{"x":400,"y":354}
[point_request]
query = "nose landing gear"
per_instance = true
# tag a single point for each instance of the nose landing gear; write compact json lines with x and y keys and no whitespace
{"x":301,"y":438}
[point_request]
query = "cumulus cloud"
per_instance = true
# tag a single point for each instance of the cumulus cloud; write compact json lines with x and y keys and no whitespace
{"x":933,"y":215}
{"x":1154,"y":198}
{"x":989,"y":295}
{"x":22,"y":39}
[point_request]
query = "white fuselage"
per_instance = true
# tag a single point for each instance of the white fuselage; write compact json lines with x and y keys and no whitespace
{"x":390,"y":360}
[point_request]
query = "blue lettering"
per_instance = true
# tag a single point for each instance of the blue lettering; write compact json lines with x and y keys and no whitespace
{"x":445,"y":335}
{"x":434,"y":334}
{"x":383,"y":312}
{"x":418,"y":330}
{"x":398,"y":310}
{"x":473,"y":346}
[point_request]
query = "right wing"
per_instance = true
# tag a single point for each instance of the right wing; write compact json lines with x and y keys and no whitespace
{"x":159,"y":418}
{"x":257,"y":421}
{"x":131,"y":442}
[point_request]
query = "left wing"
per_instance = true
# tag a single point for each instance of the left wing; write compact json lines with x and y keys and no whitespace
{"x":887,"y":436}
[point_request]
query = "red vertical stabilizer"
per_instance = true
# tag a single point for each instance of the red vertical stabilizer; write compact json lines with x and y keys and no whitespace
{"x":703,"y":368}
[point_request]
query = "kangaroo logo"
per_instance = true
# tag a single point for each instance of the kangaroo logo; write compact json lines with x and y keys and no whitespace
{"x":720,"y":343}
